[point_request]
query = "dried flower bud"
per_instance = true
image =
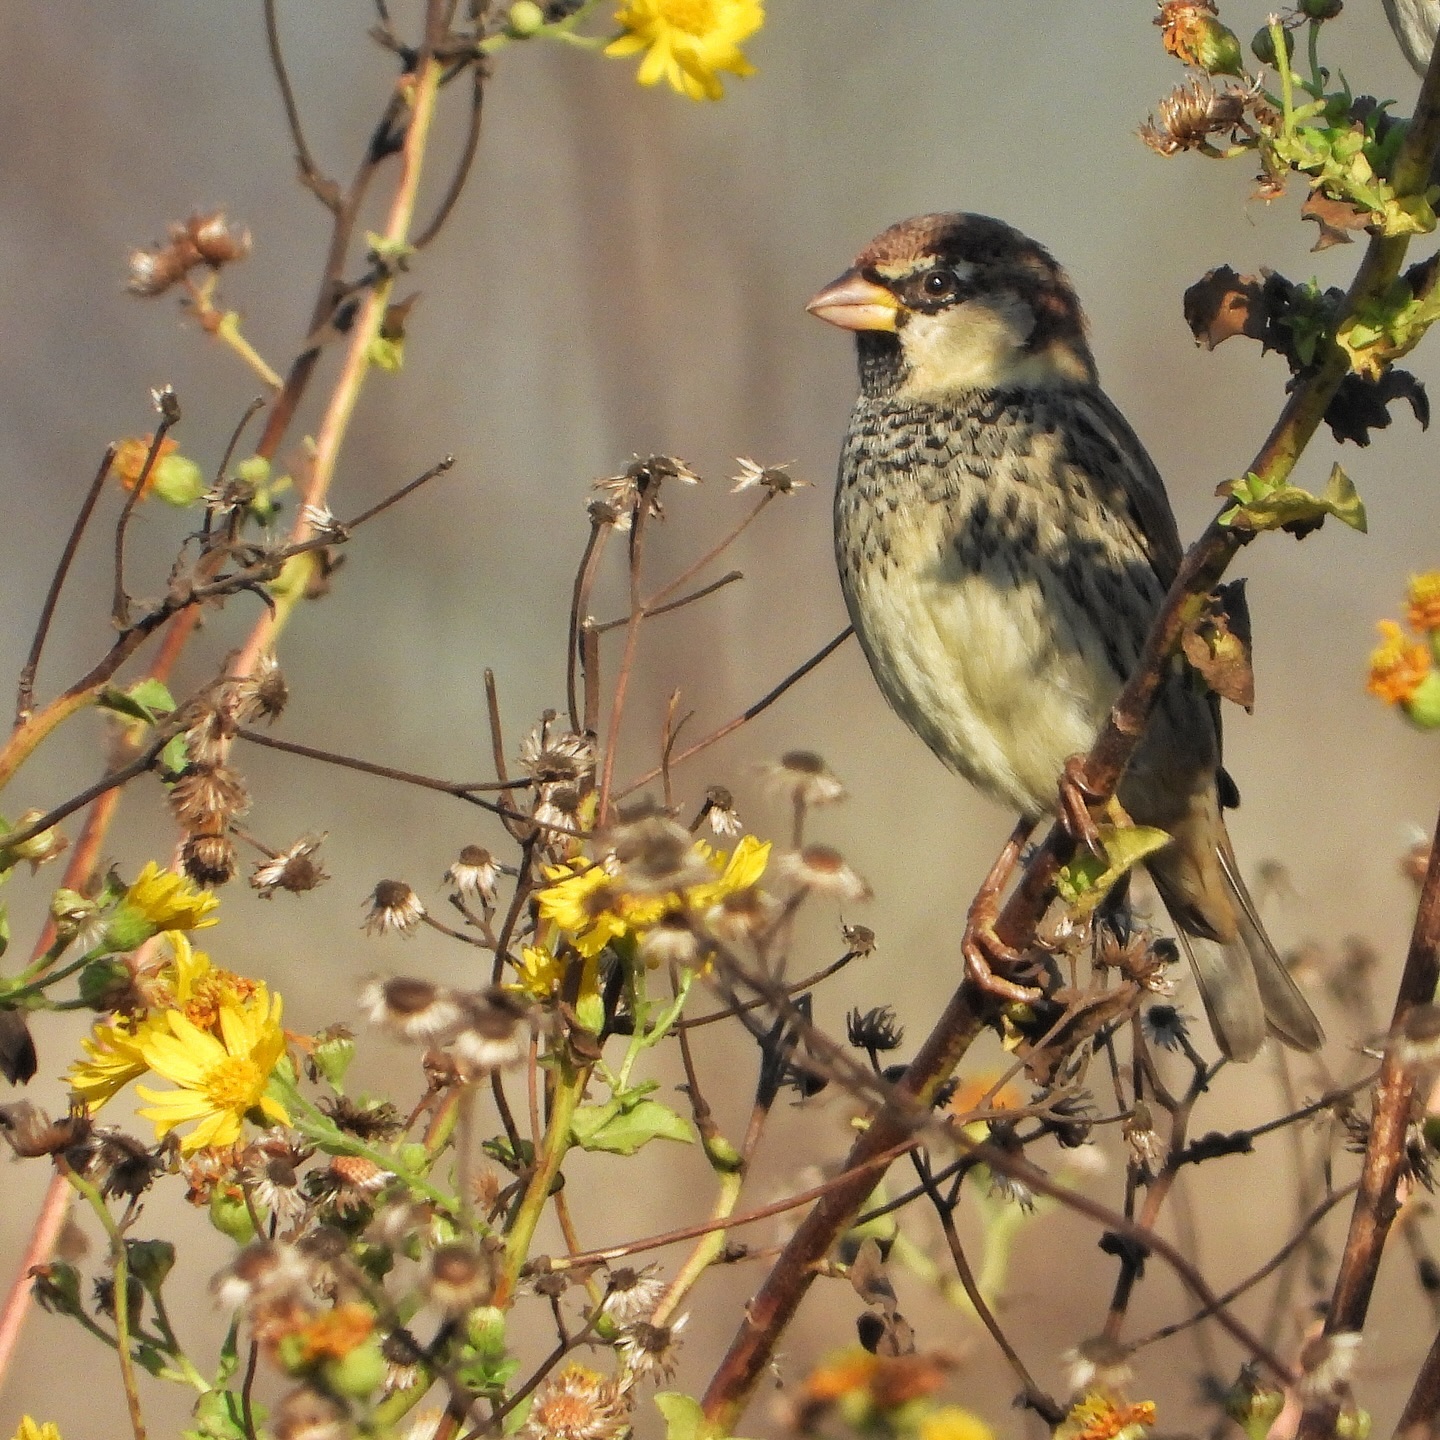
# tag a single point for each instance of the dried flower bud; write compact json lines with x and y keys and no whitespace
{"x":493,"y":1034}
{"x":671,"y":940}
{"x":415,"y":1010}
{"x":263,"y":693}
{"x":875,"y":1030}
{"x":393,"y":906}
{"x":459,"y":1278}
{"x":775,"y":478}
{"x":207,"y":798}
{"x":1192,"y":33}
{"x":215,"y":243}
{"x":824,"y":871}
{"x":656,"y":856}
{"x":719,"y":810}
{"x":1187,"y":117}
{"x":293,"y":869}
{"x":804,"y":778}
{"x":209,"y":859}
{"x":474,"y":874}
{"x":650,"y":1352}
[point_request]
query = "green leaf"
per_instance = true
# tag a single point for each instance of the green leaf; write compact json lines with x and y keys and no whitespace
{"x":685,"y":1420}
{"x":620,"y":1127}
{"x":148,"y":701}
{"x":219,"y":1415}
{"x":175,"y":756}
{"x":386,"y":354}
{"x":1087,"y":879}
{"x":4,"y":929}
{"x":1277,"y":505}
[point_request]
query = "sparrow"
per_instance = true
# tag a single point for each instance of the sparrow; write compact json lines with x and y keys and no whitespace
{"x":1004,"y":543}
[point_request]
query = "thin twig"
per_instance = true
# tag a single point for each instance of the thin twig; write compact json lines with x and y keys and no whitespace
{"x":466,"y":161}
{"x":169,"y":414}
{"x":25,"y":698}
{"x":325,"y":189}
{"x":600,"y":530}
{"x":650,"y":611}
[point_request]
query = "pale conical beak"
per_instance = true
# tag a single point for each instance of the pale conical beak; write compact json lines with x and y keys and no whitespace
{"x":854,"y":303}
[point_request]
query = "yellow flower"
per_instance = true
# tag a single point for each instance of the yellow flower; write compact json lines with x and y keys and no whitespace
{"x":687,"y":43}
{"x":588,"y":906}
{"x":29,"y":1430}
{"x":158,"y":900}
{"x":1424,"y":613}
{"x":1099,"y":1417}
{"x":113,"y":1058}
{"x":950,"y":1422}
{"x":220,"y":1079}
{"x":188,"y":982}
{"x":1397,"y":666}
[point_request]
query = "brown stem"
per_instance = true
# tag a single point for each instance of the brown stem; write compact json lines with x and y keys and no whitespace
{"x":579,"y":603}
{"x":169,"y":414}
{"x":25,"y":698}
{"x":310,"y":175}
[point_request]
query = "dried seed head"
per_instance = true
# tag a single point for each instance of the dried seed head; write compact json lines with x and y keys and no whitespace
{"x":393,"y":906}
{"x":548,"y":755}
{"x":1147,"y":1150}
{"x":263,"y":1272}
{"x":30,"y":1132}
{"x":633,"y":1294}
{"x":306,"y":1414}
{"x":474,"y":874}
{"x":351,"y":1184}
{"x":370,"y":1120}
{"x":153,"y":272}
{"x":820,"y":869}
{"x":740,"y":918}
{"x":294,"y":869}
{"x":209,"y":859}
{"x":650,"y":1352}
{"x":412,"y":1009}
{"x":263,"y":693}
{"x":639,"y":484}
{"x":803,"y":778}
{"x":720,"y":812}
{"x":577,"y":1404}
{"x":1098,"y":1363}
{"x":1165,"y":1026}
{"x":459,"y":1278}
{"x":215,"y":242}
{"x":208,"y":797}
{"x":859,"y":940}
{"x":875,"y":1030}
{"x":208,"y":740}
{"x":656,"y":856}
{"x":775,"y":478}
{"x":670,"y":940}
{"x":494,"y":1033}
{"x":1187,"y":117}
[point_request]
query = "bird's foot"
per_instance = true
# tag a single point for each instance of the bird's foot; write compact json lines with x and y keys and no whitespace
{"x":984,"y":950}
{"x":1076,"y":798}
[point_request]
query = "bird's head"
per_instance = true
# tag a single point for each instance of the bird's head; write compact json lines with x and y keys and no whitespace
{"x":945,"y":303}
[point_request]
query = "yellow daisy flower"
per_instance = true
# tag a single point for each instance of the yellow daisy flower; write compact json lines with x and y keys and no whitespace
{"x":588,"y":906}
{"x":222,"y":1078}
{"x":687,"y":43}
{"x":188,"y":982}
{"x":1424,"y":597}
{"x":950,"y":1422}
{"x":1397,"y":666}
{"x":29,"y":1430}
{"x":158,"y":900}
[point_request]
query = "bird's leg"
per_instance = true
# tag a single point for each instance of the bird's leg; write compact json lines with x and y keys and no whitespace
{"x":981,"y":945}
{"x":1076,"y":798}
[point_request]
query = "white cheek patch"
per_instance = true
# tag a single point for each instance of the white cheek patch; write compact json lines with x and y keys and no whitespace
{"x":977,"y":344}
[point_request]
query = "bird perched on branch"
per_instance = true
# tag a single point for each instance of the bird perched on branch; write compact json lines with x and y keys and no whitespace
{"x":1004,"y":543}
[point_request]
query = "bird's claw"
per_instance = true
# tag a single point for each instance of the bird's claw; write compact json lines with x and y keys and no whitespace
{"x":1076,"y":798}
{"x":983,"y":950}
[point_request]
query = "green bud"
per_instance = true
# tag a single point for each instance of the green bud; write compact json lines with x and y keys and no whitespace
{"x":253,"y":471}
{"x":333,"y":1052}
{"x":40,"y":847}
{"x":57,"y":1288}
{"x":150,"y":1261}
{"x":126,"y":930}
{"x":1423,"y":707}
{"x":1353,"y":1425}
{"x":524,"y":18}
{"x":1252,"y":1407}
{"x":230,"y":1215}
{"x":485,"y":1330}
{"x":1262,"y":47}
{"x":1217,"y":48}
{"x":414,"y":1158}
{"x":357,"y":1373}
{"x":178,"y":481}
{"x":1321,"y":9}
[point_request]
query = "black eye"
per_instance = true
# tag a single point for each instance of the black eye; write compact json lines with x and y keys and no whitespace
{"x":938,"y":285}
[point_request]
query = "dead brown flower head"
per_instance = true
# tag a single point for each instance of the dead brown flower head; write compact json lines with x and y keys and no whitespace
{"x":394,"y":906}
{"x":295,"y":869}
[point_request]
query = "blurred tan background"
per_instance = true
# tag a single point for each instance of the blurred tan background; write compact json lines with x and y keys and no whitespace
{"x":627,"y":273}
